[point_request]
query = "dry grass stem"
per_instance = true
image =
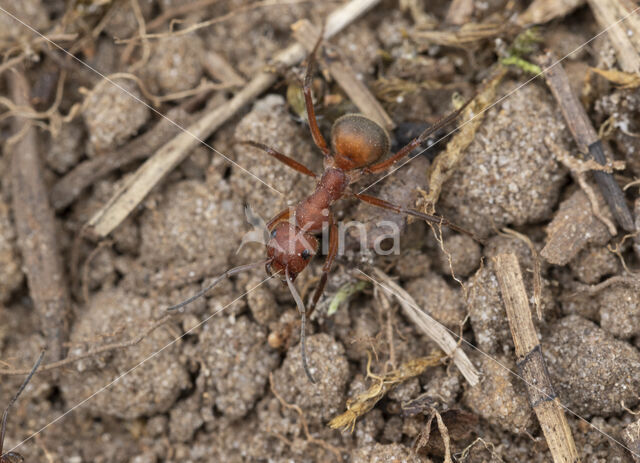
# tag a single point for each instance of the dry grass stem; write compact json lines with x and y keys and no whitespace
{"x":432,"y":328}
{"x":585,"y":137}
{"x":531,"y":364}
{"x":85,"y":174}
{"x":465,"y":36}
{"x":537,"y":278}
{"x":628,"y":80}
{"x":625,"y":35}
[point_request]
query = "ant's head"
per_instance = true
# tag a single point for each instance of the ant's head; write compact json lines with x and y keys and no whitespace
{"x":290,"y":249}
{"x":358,"y":141}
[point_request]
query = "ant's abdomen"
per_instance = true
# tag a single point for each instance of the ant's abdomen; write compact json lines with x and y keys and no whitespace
{"x":358,"y":141}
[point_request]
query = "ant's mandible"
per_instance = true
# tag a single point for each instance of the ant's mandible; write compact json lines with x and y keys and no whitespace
{"x":357,"y":146}
{"x":11,"y":457}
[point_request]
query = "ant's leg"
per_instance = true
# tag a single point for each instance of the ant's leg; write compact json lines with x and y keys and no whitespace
{"x":318,"y":139}
{"x":295,"y":165}
{"x":216,"y":280}
{"x":326,"y":268}
{"x":404,"y":151}
{"x":13,"y":400}
{"x":435,"y":219}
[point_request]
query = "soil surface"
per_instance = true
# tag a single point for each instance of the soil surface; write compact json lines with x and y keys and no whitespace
{"x":223,"y":380}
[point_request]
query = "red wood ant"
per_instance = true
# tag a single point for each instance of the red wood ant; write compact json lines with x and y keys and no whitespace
{"x":358,"y":146}
{"x":11,"y":457}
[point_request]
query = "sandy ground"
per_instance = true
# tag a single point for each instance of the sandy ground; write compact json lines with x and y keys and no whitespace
{"x":232,"y":388}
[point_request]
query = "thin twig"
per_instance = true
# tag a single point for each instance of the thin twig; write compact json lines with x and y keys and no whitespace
{"x":615,"y":280}
{"x":578,"y":172}
{"x":585,"y":137}
{"x":531,"y":363}
{"x":85,"y":174}
{"x":36,"y":227}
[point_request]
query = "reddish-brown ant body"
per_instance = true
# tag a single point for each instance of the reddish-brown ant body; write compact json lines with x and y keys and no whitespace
{"x":11,"y":457}
{"x":357,"y":146}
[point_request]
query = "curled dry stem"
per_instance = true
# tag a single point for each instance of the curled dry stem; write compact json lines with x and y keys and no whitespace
{"x":382,"y":384}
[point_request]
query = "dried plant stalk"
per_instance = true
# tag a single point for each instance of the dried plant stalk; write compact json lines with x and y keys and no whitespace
{"x":366,"y":400}
{"x":432,"y":328}
{"x":537,"y":273}
{"x":469,"y":34}
{"x":36,"y":227}
{"x":585,"y":137}
{"x":542,"y":11}
{"x":531,"y":363}
{"x":624,"y":35}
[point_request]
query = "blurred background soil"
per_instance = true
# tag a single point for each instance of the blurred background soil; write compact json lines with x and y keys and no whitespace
{"x":232,"y":389}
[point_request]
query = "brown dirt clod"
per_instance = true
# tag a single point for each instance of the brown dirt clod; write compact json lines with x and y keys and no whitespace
{"x":508,"y":176}
{"x":236,"y":363}
{"x":113,"y":115}
{"x":592,"y":372}
{"x":328,"y":364}
{"x":573,"y":228}
{"x":150,"y":388}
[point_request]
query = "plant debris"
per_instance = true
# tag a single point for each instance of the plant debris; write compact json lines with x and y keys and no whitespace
{"x":382,"y":384}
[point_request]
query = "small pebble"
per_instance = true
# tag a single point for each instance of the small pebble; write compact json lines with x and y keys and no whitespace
{"x":500,"y":398}
{"x":329,"y":367}
{"x":113,"y":113}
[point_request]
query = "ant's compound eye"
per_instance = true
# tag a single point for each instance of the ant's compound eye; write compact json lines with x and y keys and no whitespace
{"x":306,"y":254}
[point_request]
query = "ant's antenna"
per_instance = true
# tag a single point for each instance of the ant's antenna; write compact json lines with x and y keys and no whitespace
{"x":303,"y":314}
{"x":5,"y":415}
{"x":217,"y":280}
